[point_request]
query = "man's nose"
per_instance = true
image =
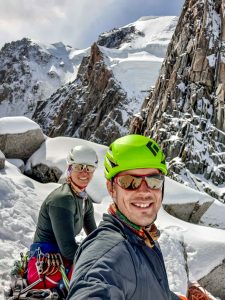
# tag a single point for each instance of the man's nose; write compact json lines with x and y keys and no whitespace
{"x":144,"y":187}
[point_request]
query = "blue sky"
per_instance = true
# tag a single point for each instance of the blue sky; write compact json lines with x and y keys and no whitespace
{"x":73,"y":22}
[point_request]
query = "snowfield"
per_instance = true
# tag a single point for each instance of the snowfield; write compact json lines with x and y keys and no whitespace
{"x":21,"y":197}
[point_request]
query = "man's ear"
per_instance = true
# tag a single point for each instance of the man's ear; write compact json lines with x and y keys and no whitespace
{"x":110,"y":189}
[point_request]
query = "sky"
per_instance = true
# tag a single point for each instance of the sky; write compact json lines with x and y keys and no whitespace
{"x":21,"y":197}
{"x":75,"y":23}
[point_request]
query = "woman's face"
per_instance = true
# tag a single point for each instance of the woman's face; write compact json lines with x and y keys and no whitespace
{"x":81,"y":177}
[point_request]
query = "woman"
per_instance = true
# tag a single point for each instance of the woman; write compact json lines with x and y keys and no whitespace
{"x":62,"y":216}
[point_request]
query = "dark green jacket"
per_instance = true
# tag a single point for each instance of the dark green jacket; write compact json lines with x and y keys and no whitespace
{"x":62,"y":216}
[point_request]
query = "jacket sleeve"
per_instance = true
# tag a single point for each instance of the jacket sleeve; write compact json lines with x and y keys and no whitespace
{"x":63,"y":227}
{"x":111,"y":277}
{"x":89,"y":220}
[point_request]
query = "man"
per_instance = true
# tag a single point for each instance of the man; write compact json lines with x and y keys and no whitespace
{"x":63,"y":214}
{"x":122,"y":258}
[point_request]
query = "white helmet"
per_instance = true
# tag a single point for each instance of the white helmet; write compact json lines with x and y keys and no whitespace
{"x":82,"y":155}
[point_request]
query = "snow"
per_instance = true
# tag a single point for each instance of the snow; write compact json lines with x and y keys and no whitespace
{"x":71,"y":58}
{"x":60,"y":68}
{"x":136,"y":63}
{"x":21,"y":197}
{"x":13,"y":125}
{"x":212,"y":60}
{"x":182,"y":86}
{"x":190,"y":197}
{"x":213,"y":23}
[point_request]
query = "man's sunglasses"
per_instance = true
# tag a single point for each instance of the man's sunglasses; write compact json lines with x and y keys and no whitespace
{"x":82,"y":167}
{"x":133,"y":182}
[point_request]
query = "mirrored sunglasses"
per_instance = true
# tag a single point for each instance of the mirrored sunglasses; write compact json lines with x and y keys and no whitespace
{"x":133,"y":182}
{"x":82,"y":167}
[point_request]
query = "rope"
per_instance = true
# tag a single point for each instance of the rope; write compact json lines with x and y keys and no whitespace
{"x":63,"y":273}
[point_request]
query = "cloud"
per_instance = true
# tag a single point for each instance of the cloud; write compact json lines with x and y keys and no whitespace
{"x":77,"y":23}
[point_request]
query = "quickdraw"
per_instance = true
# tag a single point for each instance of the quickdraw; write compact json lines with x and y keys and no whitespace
{"x":20,"y":266}
{"x":50,"y":263}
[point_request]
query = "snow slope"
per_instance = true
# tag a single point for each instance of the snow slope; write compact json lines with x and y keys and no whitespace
{"x":21,"y":197}
{"x":136,"y":62}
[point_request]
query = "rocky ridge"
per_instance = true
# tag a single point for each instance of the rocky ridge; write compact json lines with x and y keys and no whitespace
{"x":185,"y":111}
{"x":53,"y":88}
{"x":31,"y":72}
{"x":117,"y":36}
{"x":111,"y":83}
{"x":90,"y":107}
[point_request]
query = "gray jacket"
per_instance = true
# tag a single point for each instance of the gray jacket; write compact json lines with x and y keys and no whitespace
{"x":115,"y":263}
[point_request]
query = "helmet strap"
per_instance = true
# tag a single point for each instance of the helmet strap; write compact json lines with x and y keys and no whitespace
{"x":75,"y":187}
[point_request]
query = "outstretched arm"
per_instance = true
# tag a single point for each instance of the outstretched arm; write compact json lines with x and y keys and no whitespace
{"x":112,"y":276}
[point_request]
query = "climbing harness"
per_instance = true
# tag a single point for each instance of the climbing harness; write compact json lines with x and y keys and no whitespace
{"x":45,"y":267}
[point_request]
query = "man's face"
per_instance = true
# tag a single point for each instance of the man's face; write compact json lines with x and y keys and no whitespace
{"x":81,"y":178}
{"x":140,"y":206}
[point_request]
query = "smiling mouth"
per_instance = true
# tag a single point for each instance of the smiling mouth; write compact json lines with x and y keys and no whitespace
{"x":142,"y":205}
{"x":83,"y":179}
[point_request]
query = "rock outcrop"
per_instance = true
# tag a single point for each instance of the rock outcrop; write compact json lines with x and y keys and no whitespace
{"x":185,"y":111}
{"x":117,"y":36}
{"x":90,"y":107}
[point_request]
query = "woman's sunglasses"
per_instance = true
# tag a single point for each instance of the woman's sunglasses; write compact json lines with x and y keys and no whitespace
{"x":82,"y":167}
{"x":133,"y":182}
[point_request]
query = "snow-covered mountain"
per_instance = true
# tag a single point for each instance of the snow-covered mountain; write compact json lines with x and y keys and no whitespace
{"x":67,"y":90}
{"x":111,"y":83}
{"x":185,"y":112}
{"x":135,"y":53}
{"x":94,"y":93}
{"x":30,"y":72}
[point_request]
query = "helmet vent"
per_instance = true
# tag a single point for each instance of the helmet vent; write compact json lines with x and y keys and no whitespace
{"x":163,"y":161}
{"x":113,"y":165}
{"x":153,"y":148}
{"x":110,"y":163}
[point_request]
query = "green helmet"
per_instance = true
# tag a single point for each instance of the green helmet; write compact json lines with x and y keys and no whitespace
{"x":133,"y":152}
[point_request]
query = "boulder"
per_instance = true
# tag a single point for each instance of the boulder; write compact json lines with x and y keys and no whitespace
{"x":2,"y":160}
{"x":214,"y":281}
{"x":192,"y":209}
{"x":20,"y":137}
{"x":43,"y":173}
{"x":190,"y":212}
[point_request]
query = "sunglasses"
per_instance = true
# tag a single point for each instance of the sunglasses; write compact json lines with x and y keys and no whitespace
{"x":82,"y":167}
{"x":133,"y":182}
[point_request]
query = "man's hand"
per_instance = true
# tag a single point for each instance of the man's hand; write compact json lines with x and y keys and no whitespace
{"x":195,"y":292}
